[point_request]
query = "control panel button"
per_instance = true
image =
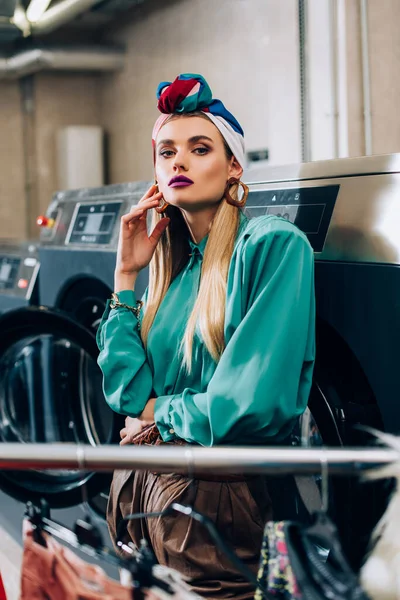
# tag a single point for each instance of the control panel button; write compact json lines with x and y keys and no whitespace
{"x":30,"y":261}
{"x":23,"y":284}
{"x":44,"y":221}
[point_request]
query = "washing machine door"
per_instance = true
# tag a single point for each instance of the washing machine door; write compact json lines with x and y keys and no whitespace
{"x":51,"y":392}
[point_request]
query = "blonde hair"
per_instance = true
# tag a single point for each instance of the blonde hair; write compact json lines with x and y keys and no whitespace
{"x":170,"y":257}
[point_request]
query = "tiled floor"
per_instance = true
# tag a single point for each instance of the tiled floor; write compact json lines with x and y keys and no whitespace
{"x":10,"y":564}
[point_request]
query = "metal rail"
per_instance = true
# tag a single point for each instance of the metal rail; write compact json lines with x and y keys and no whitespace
{"x":192,"y":460}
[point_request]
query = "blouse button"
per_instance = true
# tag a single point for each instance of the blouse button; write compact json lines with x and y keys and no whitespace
{"x":171,"y":431}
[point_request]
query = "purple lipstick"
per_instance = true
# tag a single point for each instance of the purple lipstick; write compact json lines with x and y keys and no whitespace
{"x":180,"y":181}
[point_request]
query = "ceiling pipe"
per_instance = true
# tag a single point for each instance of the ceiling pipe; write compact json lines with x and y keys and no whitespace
{"x":32,"y":61}
{"x":60,"y":14}
{"x":36,"y":10}
{"x":19,"y":19}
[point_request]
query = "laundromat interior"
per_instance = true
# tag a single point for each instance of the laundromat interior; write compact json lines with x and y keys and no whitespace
{"x":314,"y":85}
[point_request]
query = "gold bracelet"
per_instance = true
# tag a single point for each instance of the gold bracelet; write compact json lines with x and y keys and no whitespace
{"x":115,"y":303}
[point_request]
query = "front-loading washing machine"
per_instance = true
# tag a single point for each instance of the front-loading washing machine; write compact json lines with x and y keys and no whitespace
{"x":350,"y":211}
{"x":79,"y":236}
{"x":19,"y":287}
{"x":78,"y":254}
{"x":50,"y":384}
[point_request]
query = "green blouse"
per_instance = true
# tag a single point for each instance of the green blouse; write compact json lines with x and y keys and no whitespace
{"x":262,"y":381}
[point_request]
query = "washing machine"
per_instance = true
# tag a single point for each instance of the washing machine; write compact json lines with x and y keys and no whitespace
{"x":350,"y":211}
{"x":50,"y":384}
{"x":79,"y":236}
{"x":19,"y":288}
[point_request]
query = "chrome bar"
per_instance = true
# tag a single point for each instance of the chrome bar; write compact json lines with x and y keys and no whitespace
{"x":192,"y":460}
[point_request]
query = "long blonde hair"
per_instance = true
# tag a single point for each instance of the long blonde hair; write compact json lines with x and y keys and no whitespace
{"x":171,"y":255}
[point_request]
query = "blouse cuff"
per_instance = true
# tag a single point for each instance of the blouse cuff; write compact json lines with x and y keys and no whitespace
{"x":126,"y":297}
{"x":162,"y":419}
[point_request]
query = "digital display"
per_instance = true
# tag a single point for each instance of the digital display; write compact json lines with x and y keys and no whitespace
{"x":93,"y":223}
{"x":307,"y":217}
{"x":310,"y":209}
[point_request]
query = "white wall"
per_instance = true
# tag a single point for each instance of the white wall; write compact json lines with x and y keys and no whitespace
{"x":282,"y":72}
{"x":320,"y":56}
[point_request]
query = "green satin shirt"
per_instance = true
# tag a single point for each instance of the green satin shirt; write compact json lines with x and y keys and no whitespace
{"x":262,"y":381}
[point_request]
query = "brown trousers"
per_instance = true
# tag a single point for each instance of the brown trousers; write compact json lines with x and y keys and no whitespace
{"x":239,"y":510}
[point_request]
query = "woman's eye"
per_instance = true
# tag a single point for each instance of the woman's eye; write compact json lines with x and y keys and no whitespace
{"x":202,"y":150}
{"x":166,"y":153}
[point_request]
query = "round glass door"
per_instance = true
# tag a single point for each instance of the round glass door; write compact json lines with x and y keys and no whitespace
{"x":51,"y":392}
{"x":85,"y":299}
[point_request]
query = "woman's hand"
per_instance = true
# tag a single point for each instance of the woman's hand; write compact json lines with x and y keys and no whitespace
{"x":135,"y":246}
{"x":135,"y":426}
{"x":132,"y":428}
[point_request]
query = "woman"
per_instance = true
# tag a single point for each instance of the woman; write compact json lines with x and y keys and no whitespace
{"x":223,"y":350}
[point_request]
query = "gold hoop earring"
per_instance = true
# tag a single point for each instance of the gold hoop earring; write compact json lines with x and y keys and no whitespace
{"x":238,"y":203}
{"x":163,"y":207}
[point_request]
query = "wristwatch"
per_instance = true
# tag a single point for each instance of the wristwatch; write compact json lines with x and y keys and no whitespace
{"x":115,"y":303}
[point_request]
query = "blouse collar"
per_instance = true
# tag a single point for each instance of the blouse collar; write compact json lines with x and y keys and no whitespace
{"x":200,"y":247}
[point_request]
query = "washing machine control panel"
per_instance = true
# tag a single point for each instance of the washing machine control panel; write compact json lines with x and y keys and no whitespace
{"x":18,"y":273}
{"x":89,"y":218}
{"x":310,"y":208}
{"x":93,"y":223}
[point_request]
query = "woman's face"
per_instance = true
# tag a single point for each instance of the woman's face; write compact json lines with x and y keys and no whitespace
{"x":191,"y":164}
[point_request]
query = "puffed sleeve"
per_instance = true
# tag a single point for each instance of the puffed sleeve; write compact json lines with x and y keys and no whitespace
{"x":262,"y":381}
{"x":121,"y":352}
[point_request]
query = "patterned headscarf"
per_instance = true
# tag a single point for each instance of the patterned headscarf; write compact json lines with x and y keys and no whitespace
{"x":190,"y":92}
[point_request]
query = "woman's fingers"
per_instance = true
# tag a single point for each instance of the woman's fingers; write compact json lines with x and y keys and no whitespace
{"x":132,"y":216}
{"x":150,"y":192}
{"x":125,"y":440}
{"x":132,"y":427}
{"x":126,"y":434}
{"x":137,"y":211}
{"x":159,"y":230}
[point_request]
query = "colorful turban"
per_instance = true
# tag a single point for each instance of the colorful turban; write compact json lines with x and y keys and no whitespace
{"x":189,"y":93}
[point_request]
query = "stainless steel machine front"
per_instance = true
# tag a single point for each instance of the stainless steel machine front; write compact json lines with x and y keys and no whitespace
{"x":364,"y":226}
{"x":357,"y":252}
{"x":350,"y":211}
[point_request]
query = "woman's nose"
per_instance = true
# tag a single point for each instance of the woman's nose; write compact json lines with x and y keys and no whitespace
{"x":180,"y":163}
